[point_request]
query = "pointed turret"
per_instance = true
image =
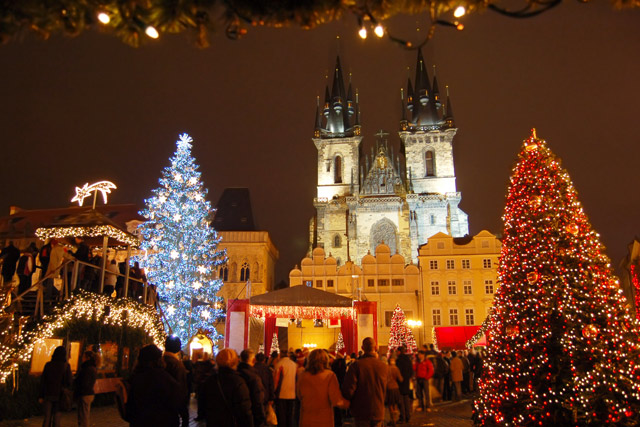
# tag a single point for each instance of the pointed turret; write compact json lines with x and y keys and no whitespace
{"x":318,"y":125}
{"x":448,"y":114}
{"x":435,"y":93}
{"x":339,"y":107}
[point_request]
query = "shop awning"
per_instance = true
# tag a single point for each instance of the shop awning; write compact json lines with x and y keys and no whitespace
{"x":301,"y":302}
{"x":456,"y":337}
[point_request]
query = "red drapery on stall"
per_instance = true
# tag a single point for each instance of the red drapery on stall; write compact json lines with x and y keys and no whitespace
{"x":269,"y":329}
{"x":346,"y":328}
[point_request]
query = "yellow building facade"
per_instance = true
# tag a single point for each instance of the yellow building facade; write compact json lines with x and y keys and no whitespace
{"x":452,"y":285}
{"x":459,"y":279}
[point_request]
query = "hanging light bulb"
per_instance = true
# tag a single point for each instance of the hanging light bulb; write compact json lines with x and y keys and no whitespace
{"x":152,"y":32}
{"x":459,"y":12}
{"x":379,"y":30}
{"x":363,"y":33}
{"x":459,"y":26}
{"x":104,"y":18}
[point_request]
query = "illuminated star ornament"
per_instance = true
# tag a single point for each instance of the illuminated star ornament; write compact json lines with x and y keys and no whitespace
{"x":87,"y":190}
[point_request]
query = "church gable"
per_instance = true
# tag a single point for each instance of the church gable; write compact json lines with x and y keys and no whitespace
{"x":382,"y":178}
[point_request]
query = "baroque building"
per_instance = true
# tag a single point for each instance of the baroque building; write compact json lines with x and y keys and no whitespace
{"x":399,"y":199}
{"x":251,"y":253}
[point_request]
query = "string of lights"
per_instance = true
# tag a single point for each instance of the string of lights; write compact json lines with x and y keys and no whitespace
{"x":137,"y":21}
{"x":562,"y":345}
{"x":93,"y":231}
{"x":83,"y":305}
{"x":300,"y":312}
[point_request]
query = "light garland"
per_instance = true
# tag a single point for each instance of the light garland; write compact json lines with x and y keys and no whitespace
{"x":563,"y":347}
{"x":87,"y":306}
{"x":94,"y":231}
{"x":300,"y":312}
{"x":481,"y":331}
{"x":635,"y":281}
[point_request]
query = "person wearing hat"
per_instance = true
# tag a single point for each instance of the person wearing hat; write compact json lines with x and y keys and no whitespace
{"x":228,"y":402}
{"x":154,"y":395}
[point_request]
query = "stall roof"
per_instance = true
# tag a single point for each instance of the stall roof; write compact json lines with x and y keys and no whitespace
{"x":301,"y":296}
{"x":456,"y":337}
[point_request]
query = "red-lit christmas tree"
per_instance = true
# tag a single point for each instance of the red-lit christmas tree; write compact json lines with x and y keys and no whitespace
{"x":563,"y":347}
{"x":274,"y":344}
{"x":400,"y":334}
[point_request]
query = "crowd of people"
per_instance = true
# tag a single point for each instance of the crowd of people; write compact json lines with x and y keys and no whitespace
{"x":294,"y":388}
{"x":24,"y":268}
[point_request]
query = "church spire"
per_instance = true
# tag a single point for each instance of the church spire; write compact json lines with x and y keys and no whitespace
{"x":448,"y":114}
{"x":423,"y":101}
{"x":340,"y":112}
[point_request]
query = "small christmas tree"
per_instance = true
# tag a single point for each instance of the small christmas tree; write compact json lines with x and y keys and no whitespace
{"x":182,"y":247}
{"x":274,"y":344}
{"x":562,"y":345}
{"x":340,"y":343}
{"x":400,"y":334}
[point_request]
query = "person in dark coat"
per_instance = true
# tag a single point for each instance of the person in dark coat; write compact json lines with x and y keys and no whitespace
{"x":44,"y":255}
{"x":202,"y":370}
{"x":405,"y":365}
{"x":266,"y":376}
{"x":339,"y":367}
{"x":154,"y":396}
{"x":365,"y":385}
{"x":256,"y":388}
{"x":9,"y":255}
{"x":25,"y":269}
{"x":175,"y":368}
{"x":227,"y":395}
{"x":83,"y":387}
{"x":55,"y":376}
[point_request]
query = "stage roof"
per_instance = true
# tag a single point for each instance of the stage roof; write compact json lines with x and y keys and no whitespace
{"x":301,"y":296}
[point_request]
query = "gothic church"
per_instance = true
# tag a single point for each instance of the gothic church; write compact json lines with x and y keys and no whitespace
{"x":365,"y":199}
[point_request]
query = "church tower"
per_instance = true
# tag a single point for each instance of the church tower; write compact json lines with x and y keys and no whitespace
{"x":427,"y":141}
{"x":396,"y":198}
{"x":337,"y":137}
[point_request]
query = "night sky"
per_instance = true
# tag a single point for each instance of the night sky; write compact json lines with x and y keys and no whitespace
{"x":83,"y":109}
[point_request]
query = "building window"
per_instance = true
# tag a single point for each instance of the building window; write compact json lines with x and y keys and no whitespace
{"x":397,"y":282}
{"x":371,"y":283}
{"x":383,"y":282}
{"x":337,"y":241}
{"x":318,"y":323}
{"x":468,"y":290}
{"x":318,"y":283}
{"x":466,"y":264}
{"x":435,"y":315}
{"x":433,"y":264}
{"x":468,"y":316}
{"x":224,"y":273}
{"x":451,"y":264}
{"x":432,"y":221}
{"x":453,"y":316}
{"x":244,"y":272}
{"x":337,"y":170}
{"x":429,"y":163}
{"x":488,"y":287}
{"x":486,"y":263}
{"x":435,"y":288}
{"x":451,"y":284}
{"x":309,"y":283}
{"x":329,"y":283}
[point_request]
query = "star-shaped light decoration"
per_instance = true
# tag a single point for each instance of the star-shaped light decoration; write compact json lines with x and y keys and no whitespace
{"x":202,"y":269}
{"x":87,"y":190}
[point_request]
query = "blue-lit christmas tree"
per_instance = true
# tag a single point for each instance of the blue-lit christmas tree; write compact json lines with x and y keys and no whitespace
{"x":182,"y":254}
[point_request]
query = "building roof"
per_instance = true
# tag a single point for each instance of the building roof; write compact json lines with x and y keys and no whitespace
{"x":22,"y":223}
{"x":301,"y":296}
{"x":233,"y":211}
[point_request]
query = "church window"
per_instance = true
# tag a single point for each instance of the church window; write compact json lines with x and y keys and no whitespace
{"x":397,"y":282}
{"x":466,"y":263}
{"x":486,"y":263}
{"x":432,"y":221}
{"x":429,"y":163}
{"x":244,"y":272}
{"x":453,"y":316}
{"x":338,"y":262}
{"x":433,"y":264}
{"x":224,"y":273}
{"x":383,"y":231}
{"x":371,"y":283}
{"x":337,"y":241}
{"x":329,"y":283}
{"x":451,"y":264}
{"x":468,"y":316}
{"x":337,"y":170}
{"x":435,"y":314}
